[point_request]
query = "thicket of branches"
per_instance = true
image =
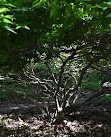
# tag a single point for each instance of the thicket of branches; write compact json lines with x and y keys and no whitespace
{"x":64,"y":40}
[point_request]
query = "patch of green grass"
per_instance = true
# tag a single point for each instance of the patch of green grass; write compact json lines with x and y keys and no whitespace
{"x":3,"y":95}
{"x":91,"y":85}
{"x":107,"y":97}
{"x":6,"y":93}
{"x":104,"y":99}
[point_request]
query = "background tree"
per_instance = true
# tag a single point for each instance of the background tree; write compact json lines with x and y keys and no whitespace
{"x":69,"y":38}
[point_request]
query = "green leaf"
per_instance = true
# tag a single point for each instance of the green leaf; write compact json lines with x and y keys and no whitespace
{"x":22,"y":26}
{"x":39,"y":3}
{"x":11,"y":5}
{"x":109,"y":15}
{"x":26,"y":27}
{"x":18,"y":27}
{"x":4,"y":10}
{"x":9,"y":16}
{"x":53,"y":11}
{"x":108,"y":3}
{"x":86,"y":0}
{"x":7,"y":21}
{"x":10,"y":29}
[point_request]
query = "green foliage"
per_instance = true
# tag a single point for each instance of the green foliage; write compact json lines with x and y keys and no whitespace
{"x":91,"y":81}
{"x":39,"y":3}
{"x":104,"y":100}
{"x":107,"y":97}
{"x":48,"y":26}
{"x":6,"y":16}
{"x":91,"y":85}
{"x":5,"y":94}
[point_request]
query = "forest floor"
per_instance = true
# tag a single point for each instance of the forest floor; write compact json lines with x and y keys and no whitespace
{"x":20,"y":118}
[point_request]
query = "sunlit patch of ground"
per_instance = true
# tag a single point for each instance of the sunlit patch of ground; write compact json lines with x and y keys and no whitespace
{"x":34,"y":127}
{"x":21,"y":120}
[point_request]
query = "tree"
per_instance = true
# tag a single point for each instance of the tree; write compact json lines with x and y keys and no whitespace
{"x":69,"y":37}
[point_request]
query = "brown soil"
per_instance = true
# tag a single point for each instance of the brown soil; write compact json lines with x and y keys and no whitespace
{"x":20,"y":118}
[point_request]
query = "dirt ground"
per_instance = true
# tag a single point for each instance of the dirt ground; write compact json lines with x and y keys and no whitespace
{"x":20,"y":118}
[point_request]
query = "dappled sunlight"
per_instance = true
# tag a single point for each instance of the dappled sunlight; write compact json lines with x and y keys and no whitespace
{"x":80,"y":125}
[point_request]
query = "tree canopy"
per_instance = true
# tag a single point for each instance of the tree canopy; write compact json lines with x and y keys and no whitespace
{"x":29,"y":29}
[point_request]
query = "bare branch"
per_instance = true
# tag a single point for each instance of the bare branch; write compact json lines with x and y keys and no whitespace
{"x":52,"y":74}
{"x":62,"y":70}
